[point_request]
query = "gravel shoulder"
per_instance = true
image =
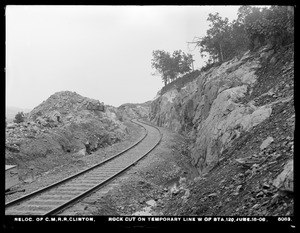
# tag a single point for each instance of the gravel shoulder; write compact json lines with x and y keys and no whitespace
{"x":145,"y":188}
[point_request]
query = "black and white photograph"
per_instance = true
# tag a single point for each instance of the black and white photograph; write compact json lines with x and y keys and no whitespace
{"x":149,"y":115}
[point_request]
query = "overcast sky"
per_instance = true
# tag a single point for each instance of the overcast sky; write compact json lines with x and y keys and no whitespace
{"x":100,"y":52}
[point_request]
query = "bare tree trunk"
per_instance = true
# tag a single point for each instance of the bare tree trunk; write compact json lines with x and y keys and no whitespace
{"x":193,"y":64}
{"x":221,"y":53}
{"x":165,"y":79}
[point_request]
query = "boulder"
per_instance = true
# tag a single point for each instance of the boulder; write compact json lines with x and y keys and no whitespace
{"x":11,"y":126}
{"x":55,"y":116}
{"x":13,"y":148}
{"x":41,"y":121}
{"x":266,"y":143}
{"x":273,"y":60}
{"x":267,"y":54}
{"x":81,"y":152}
{"x":285,"y":180}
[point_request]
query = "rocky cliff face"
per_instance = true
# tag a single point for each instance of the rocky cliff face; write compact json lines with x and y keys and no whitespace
{"x":226,"y":101}
{"x":65,"y":123}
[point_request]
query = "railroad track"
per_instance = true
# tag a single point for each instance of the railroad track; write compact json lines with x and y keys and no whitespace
{"x":56,"y":197}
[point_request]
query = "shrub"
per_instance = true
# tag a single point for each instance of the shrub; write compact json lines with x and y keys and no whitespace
{"x":19,"y":117}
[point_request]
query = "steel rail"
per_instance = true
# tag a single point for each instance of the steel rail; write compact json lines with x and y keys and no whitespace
{"x":82,"y":195}
{"x":39,"y":191}
{"x":85,"y":193}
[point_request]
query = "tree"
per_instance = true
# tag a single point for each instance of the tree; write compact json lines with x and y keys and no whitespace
{"x":19,"y":117}
{"x":238,"y":38}
{"x":182,"y":62}
{"x":218,"y":40}
{"x":278,"y":26}
{"x":169,"y":67}
{"x":252,"y":18}
{"x":253,"y":28}
{"x":274,"y":25}
{"x":161,"y":62}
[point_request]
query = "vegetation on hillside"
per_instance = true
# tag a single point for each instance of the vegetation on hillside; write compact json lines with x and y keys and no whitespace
{"x":253,"y":28}
{"x":181,"y":82}
{"x":19,"y":117}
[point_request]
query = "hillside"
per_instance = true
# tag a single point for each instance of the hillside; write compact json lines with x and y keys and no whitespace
{"x":239,"y":120}
{"x":133,"y":111}
{"x":64,"y":126}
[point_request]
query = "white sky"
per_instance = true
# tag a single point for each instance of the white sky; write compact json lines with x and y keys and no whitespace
{"x":100,"y":52}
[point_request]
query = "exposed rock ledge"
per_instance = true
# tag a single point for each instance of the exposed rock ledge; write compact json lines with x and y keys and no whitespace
{"x":211,"y":109}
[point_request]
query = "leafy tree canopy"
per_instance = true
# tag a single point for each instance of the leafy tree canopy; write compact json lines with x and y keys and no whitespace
{"x":253,"y":28}
{"x":170,"y":66}
{"x":19,"y":117}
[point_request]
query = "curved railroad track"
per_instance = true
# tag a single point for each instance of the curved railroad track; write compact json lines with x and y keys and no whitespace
{"x":54,"y":198}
